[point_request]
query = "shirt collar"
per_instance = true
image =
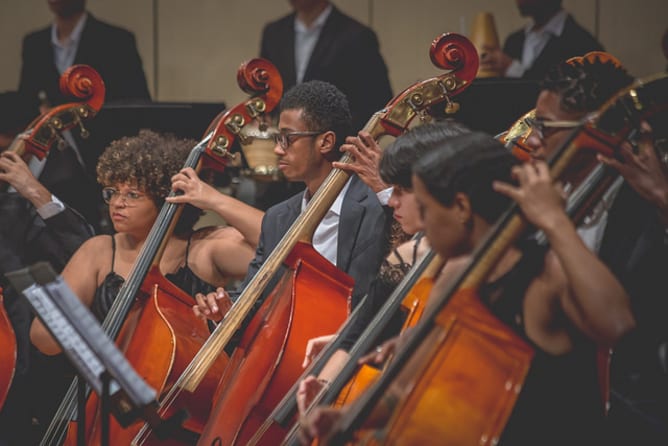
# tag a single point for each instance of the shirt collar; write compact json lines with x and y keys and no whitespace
{"x":318,"y":23}
{"x":336,"y":206}
{"x":75,"y":36}
{"x":554,"y":26}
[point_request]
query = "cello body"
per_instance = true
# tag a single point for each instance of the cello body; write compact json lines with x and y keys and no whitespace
{"x":470,"y":367}
{"x":310,"y":300}
{"x":7,"y":352}
{"x":413,"y":306}
{"x":163,"y":317}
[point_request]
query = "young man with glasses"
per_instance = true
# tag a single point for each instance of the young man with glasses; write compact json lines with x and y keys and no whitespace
{"x":629,"y":235}
{"x":314,"y":121}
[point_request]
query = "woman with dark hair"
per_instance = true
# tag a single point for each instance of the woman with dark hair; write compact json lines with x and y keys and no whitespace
{"x":563,"y":301}
{"x":136,"y":173}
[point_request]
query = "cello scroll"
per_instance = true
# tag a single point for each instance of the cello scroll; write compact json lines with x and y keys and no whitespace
{"x":260,"y":79}
{"x":78,"y":81}
{"x":452,"y":52}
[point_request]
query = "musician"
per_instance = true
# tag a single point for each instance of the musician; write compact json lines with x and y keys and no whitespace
{"x":37,"y":226}
{"x":628,"y":232}
{"x":314,"y":120}
{"x":563,"y":301}
{"x":639,"y":368}
{"x":394,"y":169}
{"x":136,"y":174}
{"x":550,"y":38}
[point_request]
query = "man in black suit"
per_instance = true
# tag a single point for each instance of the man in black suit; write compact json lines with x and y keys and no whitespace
{"x":317,"y":41}
{"x":353,"y":235}
{"x":76,"y":37}
{"x":553,"y":36}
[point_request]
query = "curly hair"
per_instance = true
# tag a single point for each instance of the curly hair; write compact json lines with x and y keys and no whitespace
{"x":586,"y":83}
{"x":324,"y":107}
{"x":148,"y":161}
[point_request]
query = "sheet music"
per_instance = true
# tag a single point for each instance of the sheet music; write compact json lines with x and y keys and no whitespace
{"x":115,"y":362}
{"x":73,"y":344}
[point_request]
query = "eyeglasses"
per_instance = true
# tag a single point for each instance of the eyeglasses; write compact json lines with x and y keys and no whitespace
{"x":130,"y":198}
{"x":284,"y":140}
{"x":544,"y":129}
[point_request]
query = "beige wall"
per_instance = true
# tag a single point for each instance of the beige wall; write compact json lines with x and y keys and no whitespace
{"x":191,"y":49}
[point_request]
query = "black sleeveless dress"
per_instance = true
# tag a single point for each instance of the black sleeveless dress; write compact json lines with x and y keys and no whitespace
{"x":106,"y":293}
{"x":560,"y":403}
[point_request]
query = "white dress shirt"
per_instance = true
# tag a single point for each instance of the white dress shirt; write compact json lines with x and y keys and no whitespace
{"x":535,"y":41}
{"x":326,"y":236}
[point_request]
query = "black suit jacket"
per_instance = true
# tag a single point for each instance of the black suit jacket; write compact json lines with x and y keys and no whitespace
{"x":362,"y":238}
{"x":346,"y":55}
{"x":635,"y":248}
{"x":113,"y":53}
{"x":110,"y":50}
{"x":574,"y":41}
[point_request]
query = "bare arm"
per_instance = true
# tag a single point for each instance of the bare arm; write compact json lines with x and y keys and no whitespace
{"x":231,"y":253}
{"x":81,"y":275}
{"x":236,"y":213}
{"x":593,"y":300}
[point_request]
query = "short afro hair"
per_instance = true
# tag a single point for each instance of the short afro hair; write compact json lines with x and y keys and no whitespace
{"x":324,"y":107}
{"x":148,"y":161}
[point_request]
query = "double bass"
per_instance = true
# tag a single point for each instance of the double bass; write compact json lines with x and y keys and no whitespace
{"x":80,"y":82}
{"x":7,"y":353}
{"x":245,"y":402}
{"x":151,"y":319}
{"x":460,"y":341}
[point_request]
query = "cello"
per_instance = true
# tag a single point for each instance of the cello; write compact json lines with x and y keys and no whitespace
{"x":85,"y":84}
{"x":229,"y":424}
{"x":151,"y":319}
{"x":7,"y":353}
{"x":460,"y":341}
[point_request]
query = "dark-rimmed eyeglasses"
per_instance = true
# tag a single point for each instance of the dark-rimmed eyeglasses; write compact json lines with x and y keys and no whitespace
{"x":130,"y":198}
{"x":544,"y":129}
{"x":285,"y":138}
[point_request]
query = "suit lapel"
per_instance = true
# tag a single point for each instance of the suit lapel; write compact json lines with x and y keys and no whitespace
{"x":325,"y":40}
{"x":287,"y":50}
{"x":83,"y":52}
{"x":352,"y":212}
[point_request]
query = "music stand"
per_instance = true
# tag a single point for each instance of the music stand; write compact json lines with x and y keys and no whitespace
{"x":96,"y":358}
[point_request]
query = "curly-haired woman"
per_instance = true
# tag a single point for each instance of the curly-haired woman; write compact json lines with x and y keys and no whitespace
{"x":137,"y":174}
